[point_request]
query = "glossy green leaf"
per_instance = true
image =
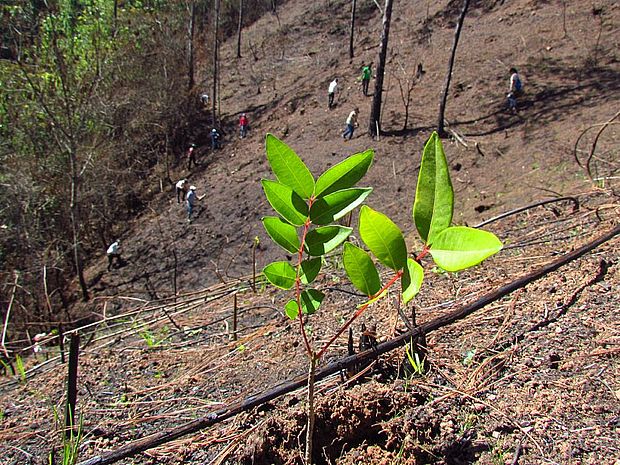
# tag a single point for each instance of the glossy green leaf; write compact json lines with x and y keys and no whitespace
{"x":282,"y":233}
{"x":460,"y":247}
{"x":322,"y":240}
{"x":286,"y":202}
{"x":361,"y":270}
{"x":411,"y":280}
{"x":280,"y":274}
{"x":434,"y":198}
{"x":310,"y":269}
{"x":328,"y":209}
{"x":288,"y":167}
{"x":345,"y":174}
{"x":310,"y":302}
{"x":383,"y":238}
{"x":291,"y":309}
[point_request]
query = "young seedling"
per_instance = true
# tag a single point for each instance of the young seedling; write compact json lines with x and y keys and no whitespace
{"x":306,"y":227}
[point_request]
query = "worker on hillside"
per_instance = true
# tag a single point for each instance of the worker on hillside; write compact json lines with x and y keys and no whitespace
{"x":351,"y":124}
{"x":114,"y":252}
{"x":181,"y":188}
{"x":191,"y":156}
{"x":516,"y":89}
{"x":331,"y":93}
{"x":215,"y":139}
{"x":366,"y":75}
{"x":243,"y":126}
{"x":204,"y":99}
{"x":191,"y":199}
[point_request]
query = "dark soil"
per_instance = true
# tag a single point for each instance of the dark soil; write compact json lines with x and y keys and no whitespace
{"x":533,"y":378}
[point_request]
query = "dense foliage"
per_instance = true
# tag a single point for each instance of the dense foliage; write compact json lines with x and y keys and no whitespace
{"x":94,"y":105}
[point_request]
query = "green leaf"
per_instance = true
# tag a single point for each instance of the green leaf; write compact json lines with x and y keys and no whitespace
{"x":460,"y":247}
{"x":322,"y":240}
{"x":310,"y":302}
{"x":345,"y":174}
{"x":434,"y":198}
{"x":328,"y":209}
{"x":282,"y":233}
{"x":383,"y":238}
{"x":280,"y":274}
{"x":286,"y":202}
{"x":291,"y":309}
{"x":310,"y":269}
{"x":361,"y":270}
{"x":288,"y":167}
{"x":411,"y":280}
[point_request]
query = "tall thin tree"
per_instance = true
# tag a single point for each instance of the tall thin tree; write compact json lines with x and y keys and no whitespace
{"x":374,"y":125}
{"x":239,"y":28}
{"x":444,"y":95}
{"x":216,"y":62}
{"x":353,"y":5}
{"x":190,"y":44}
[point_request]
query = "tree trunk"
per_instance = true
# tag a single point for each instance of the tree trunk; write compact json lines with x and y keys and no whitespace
{"x":190,"y":45}
{"x":444,"y":95}
{"x":239,"y":28}
{"x":374,"y":125}
{"x":75,"y":224}
{"x":352,"y":29}
{"x":214,"y":97}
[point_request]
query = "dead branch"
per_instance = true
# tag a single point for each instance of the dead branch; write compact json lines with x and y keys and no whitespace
{"x":156,"y":439}
{"x":593,"y":149}
{"x":527,"y":207}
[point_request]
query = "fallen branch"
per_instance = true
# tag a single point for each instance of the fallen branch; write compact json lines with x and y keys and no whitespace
{"x":527,"y":207}
{"x":248,"y":403}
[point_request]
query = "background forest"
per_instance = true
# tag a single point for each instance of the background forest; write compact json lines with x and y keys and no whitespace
{"x":96,"y":100}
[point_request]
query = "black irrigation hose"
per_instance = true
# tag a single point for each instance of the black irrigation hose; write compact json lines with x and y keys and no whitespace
{"x":527,"y":207}
{"x":171,"y":434}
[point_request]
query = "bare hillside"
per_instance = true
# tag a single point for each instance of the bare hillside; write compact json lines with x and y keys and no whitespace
{"x":531,"y":379}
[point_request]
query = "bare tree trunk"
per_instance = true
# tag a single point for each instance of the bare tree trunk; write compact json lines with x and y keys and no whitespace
{"x":354,"y":3}
{"x":216,"y":20}
{"x":375,"y":112}
{"x":75,"y":224}
{"x":444,"y":95}
{"x":190,"y":45}
{"x":239,"y":28}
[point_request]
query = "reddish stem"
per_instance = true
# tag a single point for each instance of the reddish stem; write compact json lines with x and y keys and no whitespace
{"x":357,"y":313}
{"x":422,"y":254}
{"x":300,"y":257}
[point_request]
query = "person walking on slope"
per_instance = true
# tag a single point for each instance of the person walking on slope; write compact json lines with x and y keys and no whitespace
{"x":516,"y":89}
{"x":191,"y":156}
{"x":215,"y":139}
{"x":181,"y":188}
{"x":366,"y":74}
{"x":114,"y":252}
{"x":243,"y":126}
{"x":331,"y":92}
{"x":190,"y":199}
{"x":351,"y":124}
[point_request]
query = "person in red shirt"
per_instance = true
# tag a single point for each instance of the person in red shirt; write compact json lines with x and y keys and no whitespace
{"x":243,"y":125}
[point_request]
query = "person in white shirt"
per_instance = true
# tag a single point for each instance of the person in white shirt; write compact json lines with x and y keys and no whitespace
{"x":114,"y":252}
{"x":351,"y":124}
{"x":331,"y":92}
{"x":181,"y":188}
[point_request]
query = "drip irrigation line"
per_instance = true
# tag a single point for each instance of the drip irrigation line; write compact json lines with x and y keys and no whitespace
{"x":527,"y":207}
{"x":156,"y":439}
